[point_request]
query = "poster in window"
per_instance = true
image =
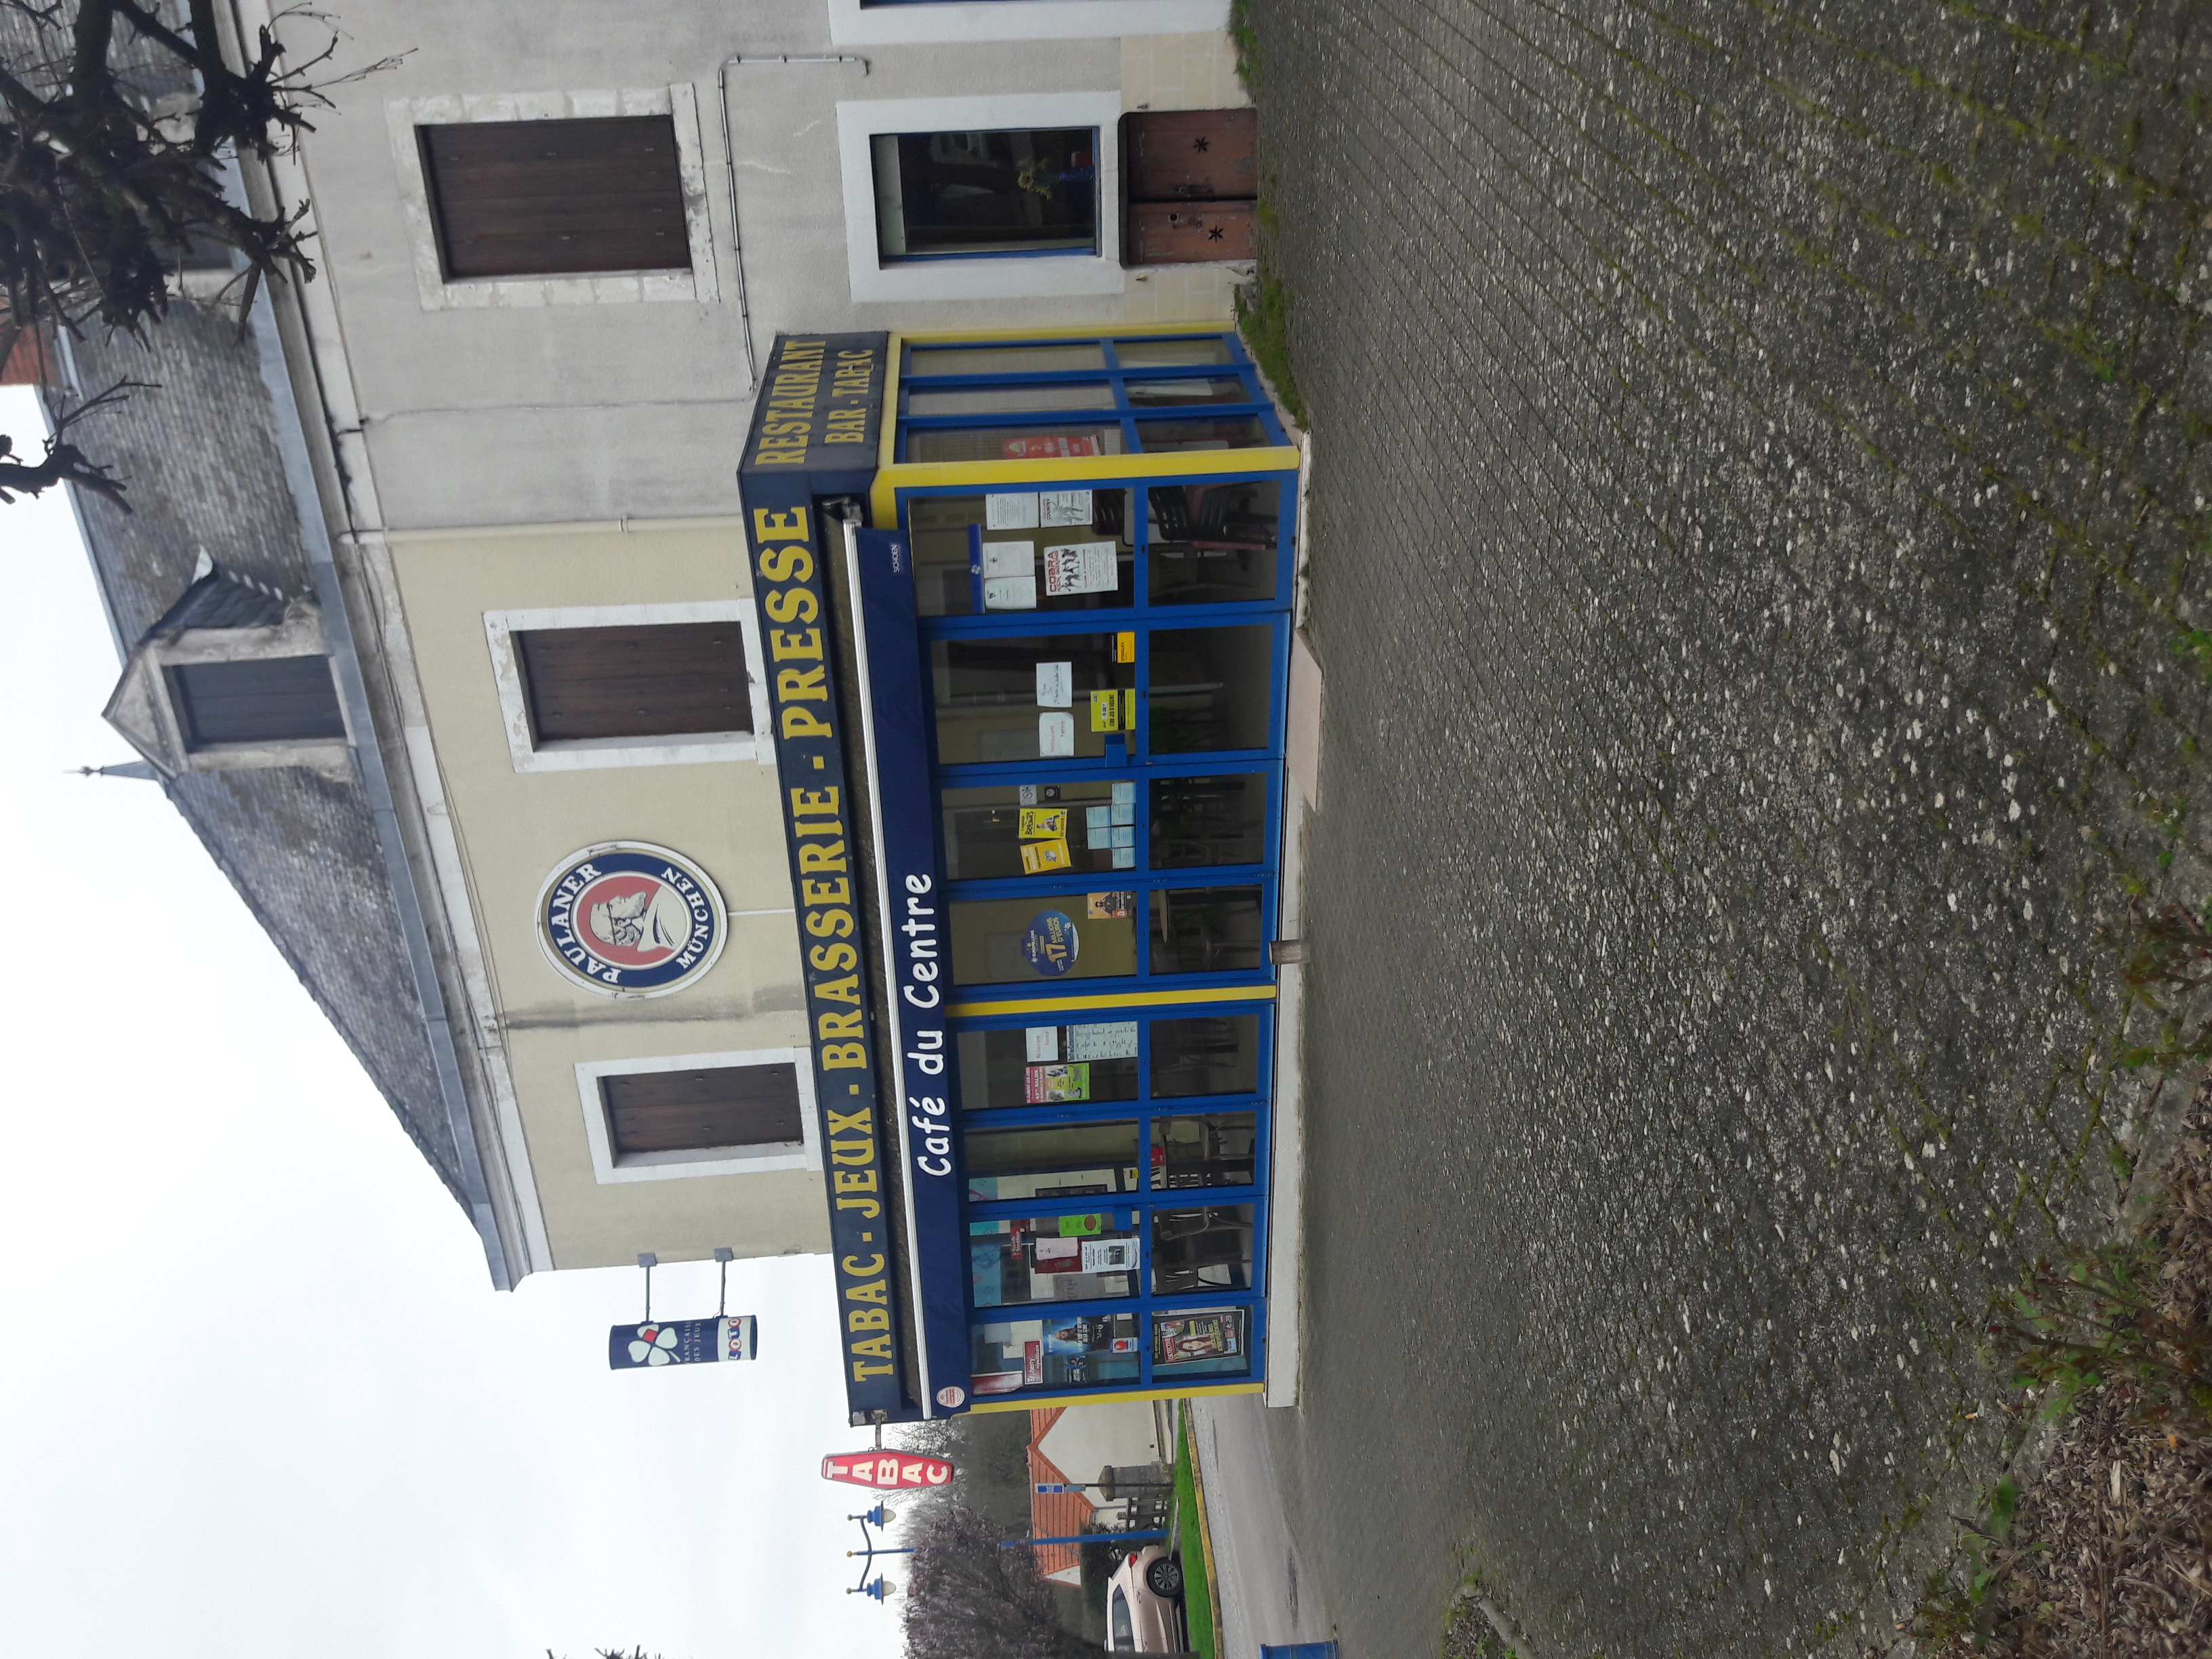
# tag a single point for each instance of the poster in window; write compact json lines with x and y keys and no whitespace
{"x":1055,"y":684}
{"x":1050,"y":446}
{"x":1043,"y":858}
{"x":1047,"y":1084}
{"x":1042,"y":1043}
{"x":1056,"y":736}
{"x":1010,"y":594}
{"x":1081,"y":568}
{"x":1108,"y":907}
{"x":1189,"y":1337}
{"x":1109,"y":1256}
{"x":1041,"y":822}
{"x":1014,"y":511}
{"x":1050,"y":943}
{"x":1114,"y":1039}
{"x":1063,"y":508}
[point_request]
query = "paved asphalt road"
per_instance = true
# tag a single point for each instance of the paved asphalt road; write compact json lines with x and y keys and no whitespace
{"x":1757,"y":531}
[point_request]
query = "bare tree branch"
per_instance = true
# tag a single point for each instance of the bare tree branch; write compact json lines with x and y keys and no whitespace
{"x":62,"y":461}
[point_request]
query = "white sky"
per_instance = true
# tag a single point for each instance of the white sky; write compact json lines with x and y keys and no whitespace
{"x":257,"y":1397}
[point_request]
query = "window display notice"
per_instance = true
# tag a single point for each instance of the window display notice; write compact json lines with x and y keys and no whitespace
{"x":1061,"y":508}
{"x":1113,"y":711}
{"x":1051,"y":446}
{"x":1010,"y":575}
{"x":1049,"y":1083}
{"x":1199,"y":1338}
{"x":1015,"y":511}
{"x":1056,"y":736}
{"x":1055,"y":684}
{"x":1081,"y":568}
{"x":1113,"y":1040}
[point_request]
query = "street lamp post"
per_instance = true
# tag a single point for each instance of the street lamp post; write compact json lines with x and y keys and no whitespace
{"x":879,"y":1517}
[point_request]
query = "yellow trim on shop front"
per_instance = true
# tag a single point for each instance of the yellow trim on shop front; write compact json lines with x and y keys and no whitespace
{"x":1193,"y":464}
{"x":887,"y":440}
{"x":1066,"y":331}
{"x":1027,"y":1402}
{"x":1122,"y":999}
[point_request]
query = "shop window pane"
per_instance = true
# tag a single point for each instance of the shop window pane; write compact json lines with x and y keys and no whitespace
{"x":1220,"y":1151}
{"x":1214,"y":1055}
{"x":1011,"y":1355}
{"x":1210,"y":688}
{"x":1084,"y":575}
{"x":1066,"y":1160}
{"x":1205,"y":930}
{"x":1041,"y":1064}
{"x":1005,"y":829}
{"x":1010,"y":443}
{"x":1202,"y":1342}
{"x":1023,"y":940}
{"x":1196,"y":822}
{"x":1193,"y":351}
{"x":1214,"y":543}
{"x":1233,"y":431}
{"x":1029,"y":698}
{"x":1062,"y":1258}
{"x":1205,"y":1249}
{"x":1004,"y":359}
{"x":1212,"y":389}
{"x":1018,"y":399}
{"x":1022,"y":192}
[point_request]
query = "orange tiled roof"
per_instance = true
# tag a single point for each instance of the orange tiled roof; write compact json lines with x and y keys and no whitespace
{"x":1055,"y":1515}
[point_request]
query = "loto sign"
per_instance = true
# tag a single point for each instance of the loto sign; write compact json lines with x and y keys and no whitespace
{"x":885,"y":1471}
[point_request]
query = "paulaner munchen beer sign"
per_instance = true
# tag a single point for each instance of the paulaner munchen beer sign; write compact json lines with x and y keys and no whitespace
{"x":627,"y":919}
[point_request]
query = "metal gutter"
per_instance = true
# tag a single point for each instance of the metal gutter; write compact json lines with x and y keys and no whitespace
{"x":353,"y":691}
{"x":925,"y":1394}
{"x":730,"y":179}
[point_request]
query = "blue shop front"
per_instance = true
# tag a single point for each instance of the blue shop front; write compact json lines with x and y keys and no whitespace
{"x":1025,"y":606}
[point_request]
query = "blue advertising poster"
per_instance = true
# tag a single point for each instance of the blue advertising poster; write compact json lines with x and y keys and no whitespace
{"x":659,"y":1342}
{"x":916,"y":953}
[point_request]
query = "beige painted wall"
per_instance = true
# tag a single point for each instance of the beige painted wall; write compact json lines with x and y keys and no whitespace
{"x":513,"y":829}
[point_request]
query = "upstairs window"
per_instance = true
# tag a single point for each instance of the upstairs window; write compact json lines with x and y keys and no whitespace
{"x":660,"y":680}
{"x":550,"y":199}
{"x":967,"y":195}
{"x":256,"y":700}
{"x":689,"y":1111}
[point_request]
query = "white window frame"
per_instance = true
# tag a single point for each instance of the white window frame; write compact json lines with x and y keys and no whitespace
{"x":585,"y":754}
{"x":702,"y":284}
{"x":1015,"y":278}
{"x":852,"y":23}
{"x":804,"y":1153}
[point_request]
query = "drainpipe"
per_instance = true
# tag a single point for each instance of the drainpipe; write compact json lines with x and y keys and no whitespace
{"x":729,"y":177}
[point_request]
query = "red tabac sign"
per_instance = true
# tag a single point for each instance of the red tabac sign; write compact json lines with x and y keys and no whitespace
{"x":885,"y":1471}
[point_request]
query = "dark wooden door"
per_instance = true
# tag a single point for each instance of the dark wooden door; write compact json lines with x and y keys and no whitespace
{"x":1194,"y":154}
{"x":1191,"y":232}
{"x":1191,"y":177}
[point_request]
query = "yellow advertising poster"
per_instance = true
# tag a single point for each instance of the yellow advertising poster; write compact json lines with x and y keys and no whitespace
{"x":1043,"y":822}
{"x":1113,"y":711}
{"x":1041,"y":858}
{"x":1125,"y":648}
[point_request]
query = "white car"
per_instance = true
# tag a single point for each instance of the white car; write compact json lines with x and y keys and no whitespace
{"x":1144,"y":1604}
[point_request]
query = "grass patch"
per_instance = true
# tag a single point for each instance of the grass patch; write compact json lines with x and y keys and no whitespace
{"x":1263,"y":315}
{"x":1190,"y":1537}
{"x":2102,"y":1552}
{"x":1245,"y":39}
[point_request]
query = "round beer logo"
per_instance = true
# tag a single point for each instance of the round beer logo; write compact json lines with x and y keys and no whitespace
{"x":626,"y":919}
{"x":1051,"y":943}
{"x":950,"y":1398}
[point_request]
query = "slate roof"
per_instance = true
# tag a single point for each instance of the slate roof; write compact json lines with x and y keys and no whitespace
{"x":200,"y":458}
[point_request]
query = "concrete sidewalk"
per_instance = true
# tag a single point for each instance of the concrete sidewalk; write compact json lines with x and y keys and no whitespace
{"x":1264,"y":1596}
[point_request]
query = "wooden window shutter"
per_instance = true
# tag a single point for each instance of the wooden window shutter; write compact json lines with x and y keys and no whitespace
{"x":672,"y":679}
{"x":692,"y":1111}
{"x":550,"y":198}
{"x":259,"y":700}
